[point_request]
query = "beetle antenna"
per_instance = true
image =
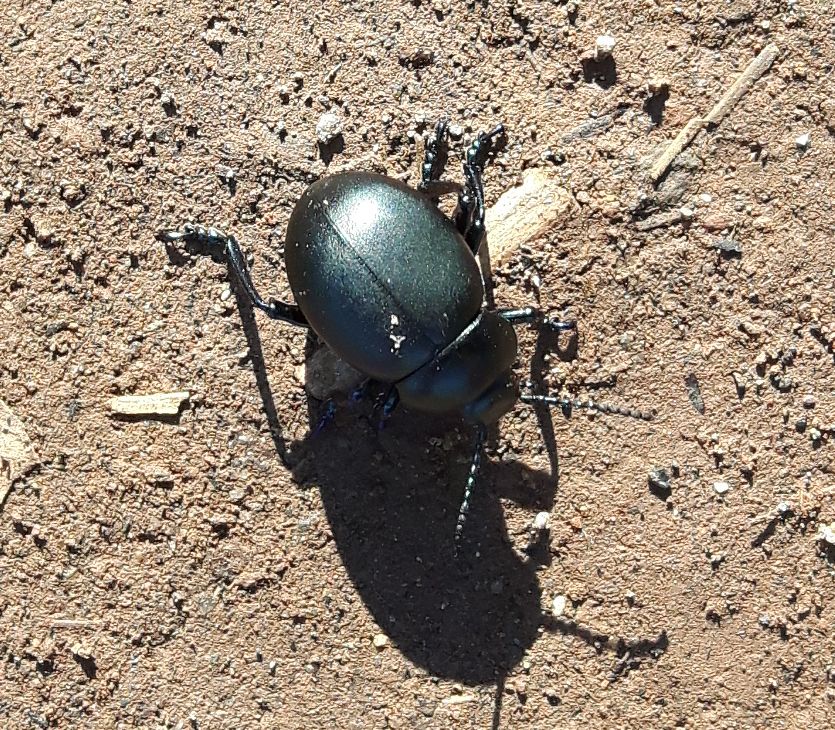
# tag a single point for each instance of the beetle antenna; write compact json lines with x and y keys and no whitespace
{"x":464,"y":509}
{"x":568,"y":404}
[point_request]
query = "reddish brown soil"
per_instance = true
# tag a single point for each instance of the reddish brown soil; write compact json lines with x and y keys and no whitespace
{"x":224,"y":572}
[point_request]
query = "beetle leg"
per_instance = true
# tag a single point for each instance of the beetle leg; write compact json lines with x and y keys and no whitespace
{"x":274,"y":309}
{"x":389,"y":402}
{"x":361,"y":391}
{"x":526,"y":315}
{"x":216,"y":242}
{"x":464,"y":509}
{"x":434,"y":159}
{"x":469,"y":215}
{"x":328,"y":413}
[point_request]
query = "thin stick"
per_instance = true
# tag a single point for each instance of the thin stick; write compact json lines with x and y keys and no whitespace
{"x":72,"y":623}
{"x":738,"y":89}
{"x":682,"y":139}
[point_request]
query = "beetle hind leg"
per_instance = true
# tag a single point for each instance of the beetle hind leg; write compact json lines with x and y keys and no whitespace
{"x":435,"y":157}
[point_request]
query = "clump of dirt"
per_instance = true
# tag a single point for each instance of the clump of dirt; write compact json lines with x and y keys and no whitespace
{"x":217,"y":568}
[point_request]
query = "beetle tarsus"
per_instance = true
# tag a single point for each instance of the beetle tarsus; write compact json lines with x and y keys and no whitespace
{"x":469,"y":214}
{"x":568,"y":404}
{"x":216,"y":242}
{"x":531,"y":315}
{"x":464,"y":509}
{"x":435,"y":157}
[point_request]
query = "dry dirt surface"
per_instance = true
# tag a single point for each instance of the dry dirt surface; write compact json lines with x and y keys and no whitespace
{"x":216,"y":568}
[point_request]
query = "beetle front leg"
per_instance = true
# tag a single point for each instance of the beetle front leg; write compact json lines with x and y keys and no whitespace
{"x":531,"y":315}
{"x":470,"y":212}
{"x":435,"y":156}
{"x":217,"y":242}
{"x":434,"y":163}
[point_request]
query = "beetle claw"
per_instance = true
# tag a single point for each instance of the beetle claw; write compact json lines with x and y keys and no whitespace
{"x":556,"y":325}
{"x":169,"y":236}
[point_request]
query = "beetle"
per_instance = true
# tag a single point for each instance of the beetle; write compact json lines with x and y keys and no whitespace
{"x":393,"y":287}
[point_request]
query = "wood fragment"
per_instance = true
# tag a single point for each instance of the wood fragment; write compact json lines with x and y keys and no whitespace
{"x":73,"y":623}
{"x":152,"y":404}
{"x":525,"y":213}
{"x":738,"y":89}
{"x":16,"y":453}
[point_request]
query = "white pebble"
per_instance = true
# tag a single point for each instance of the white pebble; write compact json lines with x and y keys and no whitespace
{"x":804,"y":141}
{"x":706,"y":198}
{"x":604,"y":45}
{"x":329,"y":127}
{"x":541,"y":521}
{"x":721,"y":487}
{"x":827,"y":533}
{"x":381,"y":641}
{"x":559,"y":604}
{"x":686,"y":213}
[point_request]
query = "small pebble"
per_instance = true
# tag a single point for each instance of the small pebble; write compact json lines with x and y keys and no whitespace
{"x":727,"y":245}
{"x":804,"y":141}
{"x":603,"y":46}
{"x":380,"y":641}
{"x":715,"y":222}
{"x":783,"y":508}
{"x":456,"y":131}
{"x":814,"y":434}
{"x":686,"y":213}
{"x":721,"y":487}
{"x":328,"y":128}
{"x":660,"y":479}
{"x":541,"y":521}
{"x":558,"y":605}
{"x":706,"y":198}
{"x":225,"y":294}
{"x":809,"y":401}
{"x":827,"y":533}
{"x":658,"y":85}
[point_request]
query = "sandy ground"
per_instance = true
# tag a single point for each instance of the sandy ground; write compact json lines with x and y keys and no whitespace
{"x":217,"y":569}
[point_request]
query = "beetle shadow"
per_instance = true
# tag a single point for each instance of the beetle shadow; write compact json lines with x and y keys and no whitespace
{"x":391,"y":499}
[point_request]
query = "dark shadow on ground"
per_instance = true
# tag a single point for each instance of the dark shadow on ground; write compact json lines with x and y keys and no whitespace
{"x":391,"y":499}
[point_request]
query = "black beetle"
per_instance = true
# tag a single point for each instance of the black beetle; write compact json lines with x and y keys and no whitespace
{"x":393,"y":287}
